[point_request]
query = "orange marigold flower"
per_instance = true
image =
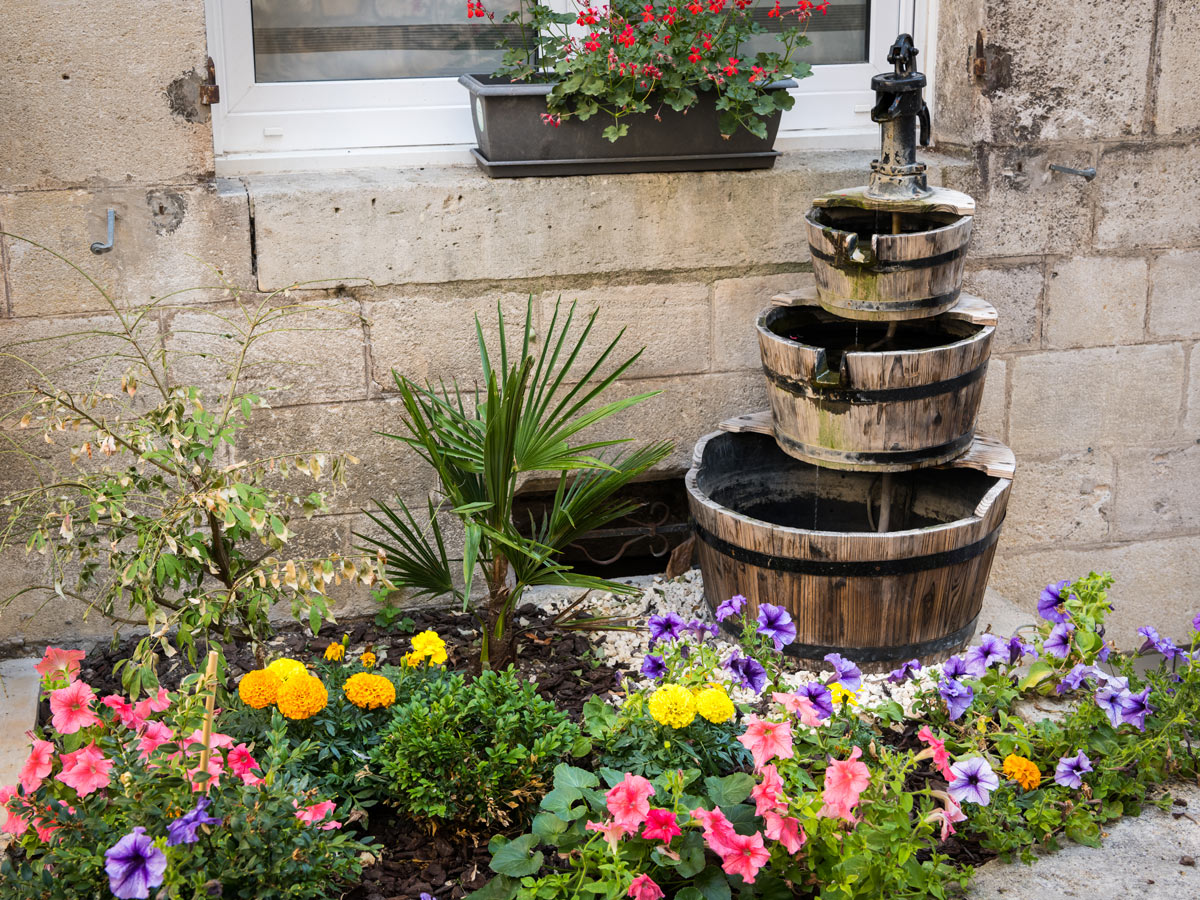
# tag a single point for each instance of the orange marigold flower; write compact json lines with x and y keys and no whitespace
{"x":259,"y":688}
{"x":368,"y":691}
{"x":302,"y":697}
{"x":367,"y":659}
{"x":1023,"y":771}
{"x":335,"y":652}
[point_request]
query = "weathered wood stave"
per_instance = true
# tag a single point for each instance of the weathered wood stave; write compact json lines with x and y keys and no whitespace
{"x":875,"y":597}
{"x":891,"y":411}
{"x":910,"y":275}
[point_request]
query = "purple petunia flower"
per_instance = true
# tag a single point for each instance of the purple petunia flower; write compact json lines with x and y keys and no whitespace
{"x":973,"y":781}
{"x":1111,"y":699}
{"x":731,"y":607}
{"x":1058,"y":644}
{"x":1196,"y":622}
{"x":775,"y":623}
{"x":184,"y":830}
{"x":955,"y":667}
{"x":699,"y":629}
{"x":1071,"y":769}
{"x":134,"y":865}
{"x":1078,"y":677}
{"x":844,"y":671}
{"x":1050,"y":602}
{"x":905,"y":672}
{"x":665,"y":628}
{"x":821,"y":698}
{"x":1104,"y":651}
{"x":957,"y":695}
{"x":653,"y":667}
{"x":1163,"y":645}
{"x":1134,"y":709}
{"x":747,"y":672}
{"x":989,"y":651}
{"x":1018,"y":650}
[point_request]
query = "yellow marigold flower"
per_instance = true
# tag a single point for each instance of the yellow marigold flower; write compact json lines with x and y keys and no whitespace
{"x":287,"y":668}
{"x":839,"y":693}
{"x":673,"y":705}
{"x":302,"y":697}
{"x":367,"y":659}
{"x":368,"y":691}
{"x":259,"y":688}
{"x":335,"y":652}
{"x":1023,"y":771}
{"x":428,"y":644}
{"x":714,"y":704}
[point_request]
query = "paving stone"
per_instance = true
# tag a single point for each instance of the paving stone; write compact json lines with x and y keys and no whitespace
{"x":20,"y":686}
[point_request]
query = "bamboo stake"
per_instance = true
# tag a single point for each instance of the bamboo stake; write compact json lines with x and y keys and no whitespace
{"x":210,"y":703}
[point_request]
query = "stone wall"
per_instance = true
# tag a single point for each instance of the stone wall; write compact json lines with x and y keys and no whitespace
{"x":1096,"y":283}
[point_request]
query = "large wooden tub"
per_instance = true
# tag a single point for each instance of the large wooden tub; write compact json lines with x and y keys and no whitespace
{"x":778,"y":530}
{"x":846,"y":394}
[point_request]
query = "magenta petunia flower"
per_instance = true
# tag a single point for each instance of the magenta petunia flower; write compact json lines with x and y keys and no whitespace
{"x":134,"y":865}
{"x":747,"y":671}
{"x":653,"y":667}
{"x":775,"y":624}
{"x":1071,"y":769}
{"x":664,"y":628}
{"x":1050,"y":602}
{"x":973,"y":781}
{"x":820,"y":697}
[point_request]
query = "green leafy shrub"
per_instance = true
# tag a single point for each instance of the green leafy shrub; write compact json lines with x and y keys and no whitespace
{"x":478,"y":751}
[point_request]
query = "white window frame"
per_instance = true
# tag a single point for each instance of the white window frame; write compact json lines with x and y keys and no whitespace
{"x":307,"y":125}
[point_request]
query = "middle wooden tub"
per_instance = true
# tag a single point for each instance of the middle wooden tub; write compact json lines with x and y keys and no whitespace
{"x":874,"y":396}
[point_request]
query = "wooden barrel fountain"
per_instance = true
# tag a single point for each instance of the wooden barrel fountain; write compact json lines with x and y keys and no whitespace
{"x":874,"y":396}
{"x":779,"y":530}
{"x":883,"y":260}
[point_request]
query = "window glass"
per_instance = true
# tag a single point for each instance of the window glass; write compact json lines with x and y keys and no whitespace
{"x":339,"y":40}
{"x":839,"y":36}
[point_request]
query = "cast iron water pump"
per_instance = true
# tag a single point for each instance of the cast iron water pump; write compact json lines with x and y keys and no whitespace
{"x":897,"y":175}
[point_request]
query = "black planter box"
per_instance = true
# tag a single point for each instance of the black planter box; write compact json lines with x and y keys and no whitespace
{"x":515,"y":142}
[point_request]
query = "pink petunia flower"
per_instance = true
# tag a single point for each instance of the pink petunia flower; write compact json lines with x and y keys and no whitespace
{"x":14,"y":824}
{"x":153,"y":736}
{"x":644,"y":888}
{"x":59,"y":665}
{"x":216,"y":740}
{"x":72,"y":708}
{"x":160,"y":702}
{"x":629,"y":801}
{"x":801,"y":707}
{"x":718,"y":830}
{"x":767,"y":740}
{"x":746,"y":856}
{"x":311,"y":815}
{"x":937,"y":752}
{"x":88,"y":770}
{"x":786,"y":830}
{"x":661,"y":826}
{"x":845,"y":780}
{"x":240,"y":762}
{"x":768,"y":793}
{"x":216,"y":766}
{"x":612,"y":830}
{"x":946,"y":815}
{"x":126,"y":714}
{"x":37,"y":766}
{"x":45,"y":827}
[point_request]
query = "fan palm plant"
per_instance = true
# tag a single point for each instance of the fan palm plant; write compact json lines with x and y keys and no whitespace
{"x":525,"y":418}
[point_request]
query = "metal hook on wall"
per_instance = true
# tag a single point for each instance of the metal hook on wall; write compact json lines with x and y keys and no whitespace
{"x":104,"y":248}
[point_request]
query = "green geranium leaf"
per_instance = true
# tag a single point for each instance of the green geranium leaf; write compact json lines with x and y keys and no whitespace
{"x":515,"y":858}
{"x":730,"y":790}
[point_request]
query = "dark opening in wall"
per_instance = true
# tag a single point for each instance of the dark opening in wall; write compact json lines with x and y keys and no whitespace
{"x":637,"y":544}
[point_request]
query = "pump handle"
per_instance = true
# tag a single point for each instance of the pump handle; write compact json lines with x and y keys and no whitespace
{"x":923,"y":118}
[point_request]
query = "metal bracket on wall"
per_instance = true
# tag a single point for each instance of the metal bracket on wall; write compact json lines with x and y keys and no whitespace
{"x":98,"y":247}
{"x":210,"y":91}
{"x":1089,"y":173}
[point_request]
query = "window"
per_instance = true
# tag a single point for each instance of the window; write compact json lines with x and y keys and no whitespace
{"x":331,"y":83}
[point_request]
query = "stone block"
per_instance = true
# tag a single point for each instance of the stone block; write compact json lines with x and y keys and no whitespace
{"x":1192,"y":402}
{"x":1175,"y":294}
{"x":1158,"y":492}
{"x":1058,"y":499}
{"x":1070,"y":400}
{"x":1178,"y":81}
{"x":1046,"y":80}
{"x":442,"y":224}
{"x":78,"y":354}
{"x":669,"y":322}
{"x":736,"y":305}
{"x":318,"y":537}
{"x":31,"y":612}
{"x":1155,"y":581}
{"x":992,"y":419}
{"x":1023,"y":209}
{"x":1095,"y":301}
{"x":959,"y":102}
{"x":103,"y":93}
{"x":1016,"y":292}
{"x":315,"y":352}
{"x":386,"y":467}
{"x":166,"y":240}
{"x":432,"y":338}
{"x":1141,"y":194}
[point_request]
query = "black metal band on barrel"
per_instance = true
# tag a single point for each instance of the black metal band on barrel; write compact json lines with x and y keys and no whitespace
{"x":848,"y":568}
{"x":948,"y":450}
{"x":891,"y":653}
{"x":900,"y":265}
{"x":895,"y":306}
{"x":878,"y":395}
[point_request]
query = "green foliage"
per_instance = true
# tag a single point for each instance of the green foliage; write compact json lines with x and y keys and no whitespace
{"x":159,"y":519}
{"x":533,"y":406}
{"x":477,"y":752}
{"x":631,"y":57}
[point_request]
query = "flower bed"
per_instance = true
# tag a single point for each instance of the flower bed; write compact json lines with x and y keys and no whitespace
{"x":716,"y":769}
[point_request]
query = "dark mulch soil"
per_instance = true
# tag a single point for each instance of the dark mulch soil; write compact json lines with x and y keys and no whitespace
{"x":446,"y":864}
